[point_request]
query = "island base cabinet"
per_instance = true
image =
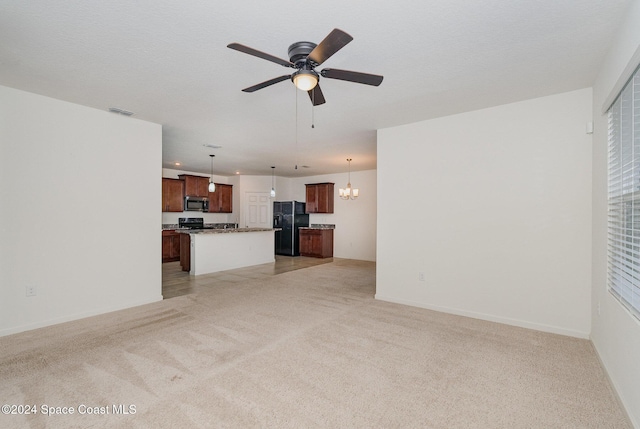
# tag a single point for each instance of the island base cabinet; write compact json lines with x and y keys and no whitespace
{"x":317,"y":243}
{"x":185,"y":252}
{"x":212,"y":252}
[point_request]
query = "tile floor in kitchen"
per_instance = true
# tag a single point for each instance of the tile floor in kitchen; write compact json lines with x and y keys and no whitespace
{"x":176,"y":282}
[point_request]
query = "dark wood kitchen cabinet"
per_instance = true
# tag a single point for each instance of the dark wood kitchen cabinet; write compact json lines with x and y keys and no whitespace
{"x":170,"y":246}
{"x":172,"y":195}
{"x":221,"y":201}
{"x":195,"y":186}
{"x":317,"y":243}
{"x":319,"y":198}
{"x":185,"y":252}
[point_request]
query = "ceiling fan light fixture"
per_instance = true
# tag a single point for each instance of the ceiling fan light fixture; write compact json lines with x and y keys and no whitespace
{"x":305,"y":80}
{"x":305,"y":57}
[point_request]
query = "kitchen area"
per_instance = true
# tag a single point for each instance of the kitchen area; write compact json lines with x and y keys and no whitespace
{"x":203,"y":243}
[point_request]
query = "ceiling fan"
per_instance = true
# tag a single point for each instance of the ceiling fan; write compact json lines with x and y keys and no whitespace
{"x":305,"y":57}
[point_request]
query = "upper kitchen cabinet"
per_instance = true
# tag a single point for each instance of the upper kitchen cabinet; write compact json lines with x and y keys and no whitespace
{"x":221,"y":201}
{"x":172,"y":195}
{"x":319,"y":198}
{"x":195,"y":186}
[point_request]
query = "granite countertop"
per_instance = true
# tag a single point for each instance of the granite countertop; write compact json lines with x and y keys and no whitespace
{"x":319,"y":226}
{"x":222,"y":230}
{"x":176,"y":227}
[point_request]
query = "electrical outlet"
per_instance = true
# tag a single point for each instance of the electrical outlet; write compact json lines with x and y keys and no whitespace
{"x":31,"y":290}
{"x":421,"y":276}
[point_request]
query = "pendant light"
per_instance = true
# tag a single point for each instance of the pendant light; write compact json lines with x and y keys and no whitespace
{"x":349,"y":193}
{"x":273,"y":188}
{"x":212,"y":186}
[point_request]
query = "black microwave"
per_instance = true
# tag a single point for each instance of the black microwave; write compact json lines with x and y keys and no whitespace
{"x":196,"y":204}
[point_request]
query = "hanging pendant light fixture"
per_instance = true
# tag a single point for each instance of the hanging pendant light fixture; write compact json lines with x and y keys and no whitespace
{"x":273,"y":188}
{"x":212,"y":186}
{"x":349,"y":193}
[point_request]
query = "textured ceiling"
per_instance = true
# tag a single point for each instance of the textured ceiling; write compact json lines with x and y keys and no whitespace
{"x":167,"y":62}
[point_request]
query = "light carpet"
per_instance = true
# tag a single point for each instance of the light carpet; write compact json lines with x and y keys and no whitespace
{"x":304,"y":349}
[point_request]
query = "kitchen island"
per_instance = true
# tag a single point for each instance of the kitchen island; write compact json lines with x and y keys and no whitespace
{"x":211,"y":250}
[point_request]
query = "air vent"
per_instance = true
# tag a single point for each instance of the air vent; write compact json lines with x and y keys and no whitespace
{"x":120,"y":111}
{"x":212,"y":146}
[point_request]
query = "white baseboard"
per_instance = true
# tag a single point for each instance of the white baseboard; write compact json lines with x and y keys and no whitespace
{"x":77,"y":316}
{"x":614,"y":387}
{"x":489,"y":317}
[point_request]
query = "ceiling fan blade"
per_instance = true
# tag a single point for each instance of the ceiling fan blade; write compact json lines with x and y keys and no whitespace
{"x":260,"y":54}
{"x":316,"y":96}
{"x":267,"y":83}
{"x":331,"y":44}
{"x":351,"y":76}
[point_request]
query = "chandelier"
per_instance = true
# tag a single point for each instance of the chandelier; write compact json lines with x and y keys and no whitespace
{"x":349,"y":193}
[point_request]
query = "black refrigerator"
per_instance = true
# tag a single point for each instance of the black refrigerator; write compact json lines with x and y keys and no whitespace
{"x":290,"y":216}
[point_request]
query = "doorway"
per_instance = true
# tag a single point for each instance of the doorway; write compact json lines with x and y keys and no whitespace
{"x":257,"y":212}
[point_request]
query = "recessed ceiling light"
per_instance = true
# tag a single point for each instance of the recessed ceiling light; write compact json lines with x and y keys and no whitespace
{"x":177,"y":163}
{"x":237,"y":172}
{"x":120,"y":111}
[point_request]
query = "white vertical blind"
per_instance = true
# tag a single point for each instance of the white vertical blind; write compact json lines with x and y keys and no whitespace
{"x":624,"y":196}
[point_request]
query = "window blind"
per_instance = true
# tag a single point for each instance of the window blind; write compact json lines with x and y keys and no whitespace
{"x":624,"y":196}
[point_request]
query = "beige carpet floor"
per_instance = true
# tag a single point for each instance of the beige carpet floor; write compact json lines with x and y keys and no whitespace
{"x":304,"y":349}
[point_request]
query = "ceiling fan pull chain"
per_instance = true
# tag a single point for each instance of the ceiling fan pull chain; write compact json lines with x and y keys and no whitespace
{"x":313,"y":105}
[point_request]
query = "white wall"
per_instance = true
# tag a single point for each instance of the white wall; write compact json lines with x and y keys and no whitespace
{"x":615,"y":333}
{"x":494,"y":207}
{"x":355,"y":220}
{"x":71,"y":180}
